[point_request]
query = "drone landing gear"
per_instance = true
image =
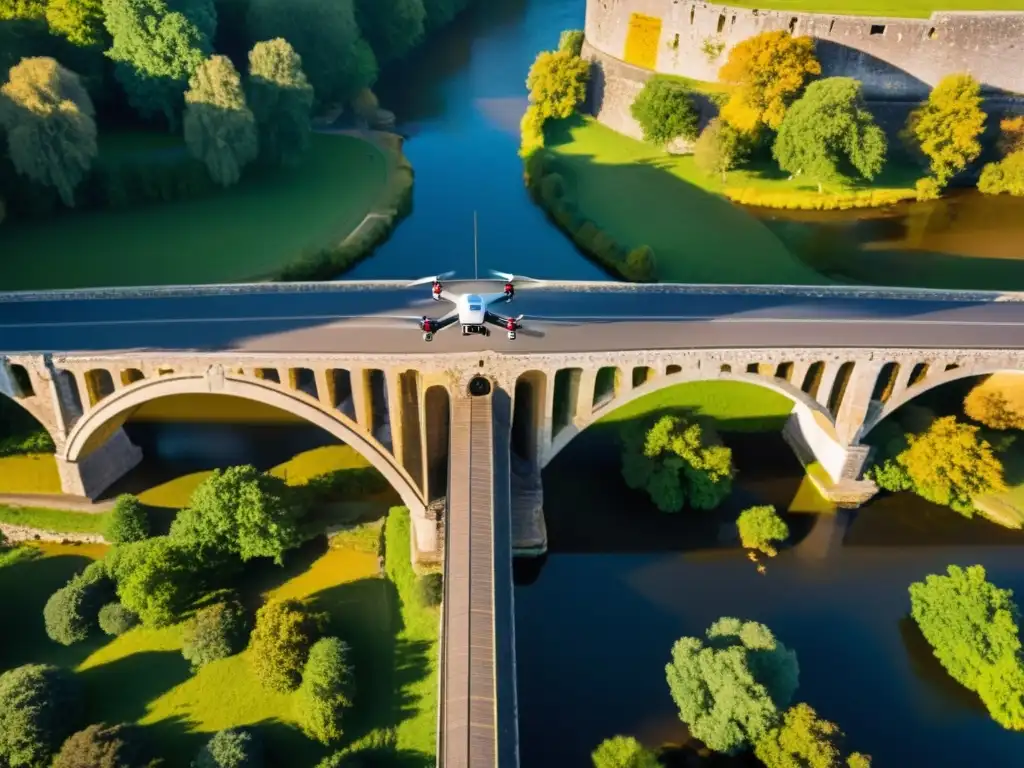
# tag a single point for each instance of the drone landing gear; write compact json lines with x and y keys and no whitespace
{"x":511,"y":335}
{"x":428,"y":336}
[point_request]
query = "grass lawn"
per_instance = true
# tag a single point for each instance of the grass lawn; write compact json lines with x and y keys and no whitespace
{"x":243,"y":233}
{"x":29,"y":473}
{"x":57,"y":520}
{"x":913,"y":8}
{"x":142,"y":677}
{"x":640,"y":194}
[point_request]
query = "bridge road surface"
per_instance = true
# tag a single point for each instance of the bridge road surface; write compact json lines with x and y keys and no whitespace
{"x":560,"y":317}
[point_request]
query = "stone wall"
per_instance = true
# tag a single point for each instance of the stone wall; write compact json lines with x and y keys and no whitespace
{"x":895,"y":58}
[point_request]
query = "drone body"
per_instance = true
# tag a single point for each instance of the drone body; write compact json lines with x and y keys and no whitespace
{"x":471,"y":310}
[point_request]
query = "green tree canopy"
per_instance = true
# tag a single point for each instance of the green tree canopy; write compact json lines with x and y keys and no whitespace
{"x":719,"y":148}
{"x":80,"y":21}
{"x":156,"y":49}
{"x":392,"y":27}
{"x":49,"y":121}
{"x":40,"y":706}
{"x":557,"y":83}
{"x":803,"y":740}
{"x":280,"y":643}
{"x":240,"y":511}
{"x":760,"y":528}
{"x":231,"y":748}
{"x":829,"y":135}
{"x":623,"y":752}
{"x":678,"y":463}
{"x":731,"y":688}
{"x":440,"y":12}
{"x":337,"y":59}
{"x":128,"y":521}
{"x":946,"y":128}
{"x":767,"y":72}
{"x":949,"y":464}
{"x":973,"y":628}
{"x":664,"y":109}
{"x":220,"y":129}
{"x":155,"y":578}
{"x":327,"y":690}
{"x":281,"y":99}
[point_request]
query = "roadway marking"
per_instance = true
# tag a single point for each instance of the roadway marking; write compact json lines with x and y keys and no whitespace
{"x":566,"y":319}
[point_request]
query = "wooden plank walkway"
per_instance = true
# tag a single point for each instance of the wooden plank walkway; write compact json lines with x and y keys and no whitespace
{"x":477,"y":724}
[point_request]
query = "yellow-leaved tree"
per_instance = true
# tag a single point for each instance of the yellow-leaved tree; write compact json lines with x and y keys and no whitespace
{"x":767,"y":72}
{"x":946,"y":128}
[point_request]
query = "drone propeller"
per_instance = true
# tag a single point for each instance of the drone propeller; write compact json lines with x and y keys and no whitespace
{"x":509,"y":278}
{"x":431,"y":279}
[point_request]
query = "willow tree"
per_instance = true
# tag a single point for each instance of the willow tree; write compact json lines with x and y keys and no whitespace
{"x":281,"y":99}
{"x":50,"y":125}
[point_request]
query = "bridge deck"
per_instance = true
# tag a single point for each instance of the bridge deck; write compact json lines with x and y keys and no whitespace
{"x":478,"y":699}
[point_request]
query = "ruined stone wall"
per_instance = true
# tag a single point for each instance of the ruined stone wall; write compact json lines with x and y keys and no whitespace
{"x":895,"y":58}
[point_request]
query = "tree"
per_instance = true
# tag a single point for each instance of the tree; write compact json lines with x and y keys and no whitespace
{"x":128,"y":521}
{"x":71,"y":613}
{"x":326,"y":692}
{"x":949,"y":464}
{"x":240,"y":511}
{"x":803,"y":740}
{"x":391,"y":27}
{"x":280,"y":642}
{"x":557,"y":83}
{"x":664,"y":109}
{"x":946,"y":128}
{"x":677,"y":464}
{"x":40,"y":706}
{"x":997,"y":401}
{"x":115,"y":619}
{"x":155,"y":578}
{"x":215,"y":632}
{"x":101,"y":746}
{"x":972,"y":627}
{"x":50,"y":125}
{"x":731,"y":688}
{"x":767,"y":72}
{"x":571,"y":41}
{"x":760,"y":527}
{"x":231,"y":748}
{"x":623,"y":752}
{"x":1004,"y":177}
{"x":220,"y":129}
{"x":336,"y":58}
{"x":281,"y":100}
{"x":80,"y":21}
{"x":156,"y":50}
{"x":829,"y":135}
{"x":719,"y":148}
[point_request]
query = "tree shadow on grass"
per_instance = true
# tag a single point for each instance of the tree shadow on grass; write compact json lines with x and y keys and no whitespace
{"x":121,"y":691}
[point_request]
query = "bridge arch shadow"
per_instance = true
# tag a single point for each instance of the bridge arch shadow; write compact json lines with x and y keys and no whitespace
{"x":105,"y":420}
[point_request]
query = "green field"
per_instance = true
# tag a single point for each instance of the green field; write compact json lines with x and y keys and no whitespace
{"x":914,"y":8}
{"x":141,"y":676}
{"x":246,"y":232}
{"x":641,"y":195}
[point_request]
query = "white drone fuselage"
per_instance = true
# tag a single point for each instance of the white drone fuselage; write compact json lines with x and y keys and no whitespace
{"x":472,"y":309}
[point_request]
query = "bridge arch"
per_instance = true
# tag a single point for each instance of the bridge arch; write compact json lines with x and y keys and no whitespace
{"x":930,"y":382}
{"x":17,"y":386}
{"x":812,"y":416}
{"x":110,"y":414}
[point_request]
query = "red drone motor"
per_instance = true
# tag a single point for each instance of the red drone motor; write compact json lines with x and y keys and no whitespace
{"x":509,"y":290}
{"x":426,"y":325}
{"x":436,"y":290}
{"x":510,"y":324}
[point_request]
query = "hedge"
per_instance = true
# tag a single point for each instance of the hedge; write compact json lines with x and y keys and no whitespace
{"x":813,"y":201}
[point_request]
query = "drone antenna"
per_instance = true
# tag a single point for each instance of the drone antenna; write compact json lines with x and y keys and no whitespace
{"x":476,"y":251}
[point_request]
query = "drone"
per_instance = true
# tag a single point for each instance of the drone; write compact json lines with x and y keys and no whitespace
{"x":472,"y":310}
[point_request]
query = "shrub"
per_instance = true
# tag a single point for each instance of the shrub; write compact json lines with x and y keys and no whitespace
{"x":640,"y":265}
{"x":326,"y":691}
{"x":71,"y":613}
{"x":760,"y":527}
{"x":623,"y":752}
{"x":115,"y":619}
{"x":928,"y":188}
{"x":557,"y":82}
{"x":571,"y":41}
{"x":128,"y":521}
{"x":720,"y":148}
{"x":101,"y":746}
{"x":665,"y":111}
{"x":1004,"y":177}
{"x":40,"y":706}
{"x":215,"y":632}
{"x":430,"y":589}
{"x":531,"y":131}
{"x":803,"y":738}
{"x":231,"y":748}
{"x":280,"y":643}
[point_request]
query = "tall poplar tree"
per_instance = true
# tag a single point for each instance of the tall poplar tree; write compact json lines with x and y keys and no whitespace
{"x":281,"y":98}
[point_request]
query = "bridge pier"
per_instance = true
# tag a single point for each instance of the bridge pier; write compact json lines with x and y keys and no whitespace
{"x":95,"y":472}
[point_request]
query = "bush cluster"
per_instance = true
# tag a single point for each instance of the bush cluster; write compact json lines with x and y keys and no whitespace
{"x":115,"y":619}
{"x":128,"y":522}
{"x":215,"y":632}
{"x":40,"y":706}
{"x":71,"y":613}
{"x":812,"y":201}
{"x":280,"y":643}
{"x":430,"y":589}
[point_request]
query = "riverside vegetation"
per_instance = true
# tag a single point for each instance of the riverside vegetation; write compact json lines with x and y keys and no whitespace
{"x":114,"y":103}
